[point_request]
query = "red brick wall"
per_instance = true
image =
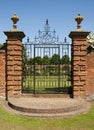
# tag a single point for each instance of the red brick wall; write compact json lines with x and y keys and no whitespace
{"x":2,"y":73}
{"x":90,"y":73}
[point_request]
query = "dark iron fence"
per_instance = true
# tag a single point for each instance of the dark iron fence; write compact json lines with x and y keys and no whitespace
{"x":47,"y":64}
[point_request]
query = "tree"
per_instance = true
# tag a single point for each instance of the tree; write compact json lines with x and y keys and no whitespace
{"x":1,"y":45}
{"x":24,"y":62}
{"x":55,"y":59}
{"x":65,"y":59}
{"x":31,"y":61}
{"x":38,"y":60}
{"x":45,"y":60}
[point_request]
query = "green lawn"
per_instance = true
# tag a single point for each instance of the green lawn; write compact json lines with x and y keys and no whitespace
{"x":46,"y":84}
{"x":9,"y":121}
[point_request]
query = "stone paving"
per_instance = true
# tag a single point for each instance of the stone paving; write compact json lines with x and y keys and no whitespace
{"x":46,"y":107}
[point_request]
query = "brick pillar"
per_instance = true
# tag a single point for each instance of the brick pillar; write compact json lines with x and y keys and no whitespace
{"x":79,"y":59}
{"x":14,"y":60}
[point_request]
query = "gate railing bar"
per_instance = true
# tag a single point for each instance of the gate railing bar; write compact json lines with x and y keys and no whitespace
{"x":34,"y":72}
{"x":59,"y":68}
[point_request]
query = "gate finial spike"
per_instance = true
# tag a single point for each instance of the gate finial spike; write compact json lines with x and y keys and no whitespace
{"x":27,"y":39}
{"x":65,"y":40}
{"x":46,"y":21}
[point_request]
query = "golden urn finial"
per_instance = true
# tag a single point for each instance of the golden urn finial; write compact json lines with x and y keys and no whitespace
{"x":15,"y":19}
{"x":79,"y":19}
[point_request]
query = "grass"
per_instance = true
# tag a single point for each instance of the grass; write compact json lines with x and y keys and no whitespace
{"x":9,"y":121}
{"x":46,"y":84}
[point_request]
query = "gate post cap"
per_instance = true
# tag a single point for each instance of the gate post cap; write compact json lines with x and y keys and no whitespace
{"x":79,"y":19}
{"x":14,"y":19}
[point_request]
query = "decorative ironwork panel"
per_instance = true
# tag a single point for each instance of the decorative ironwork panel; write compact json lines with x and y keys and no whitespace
{"x":47,"y":64}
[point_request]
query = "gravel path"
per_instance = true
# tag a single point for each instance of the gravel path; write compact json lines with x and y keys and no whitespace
{"x":46,"y":103}
{"x":46,"y":107}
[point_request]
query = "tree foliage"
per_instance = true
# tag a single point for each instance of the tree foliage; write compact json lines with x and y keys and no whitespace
{"x":24,"y":61}
{"x":90,"y":40}
{"x":37,"y":60}
{"x":1,"y":45}
{"x":55,"y":59}
{"x":45,"y":60}
{"x":65,"y":59}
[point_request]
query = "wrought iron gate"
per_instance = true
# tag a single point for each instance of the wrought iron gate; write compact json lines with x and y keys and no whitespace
{"x":46,"y":64}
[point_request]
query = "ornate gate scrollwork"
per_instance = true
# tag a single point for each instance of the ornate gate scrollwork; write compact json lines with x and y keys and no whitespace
{"x":46,"y":64}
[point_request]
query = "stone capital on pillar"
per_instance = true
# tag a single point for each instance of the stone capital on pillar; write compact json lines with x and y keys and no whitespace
{"x":76,"y":34}
{"x":19,"y":35}
{"x":14,"y":33}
